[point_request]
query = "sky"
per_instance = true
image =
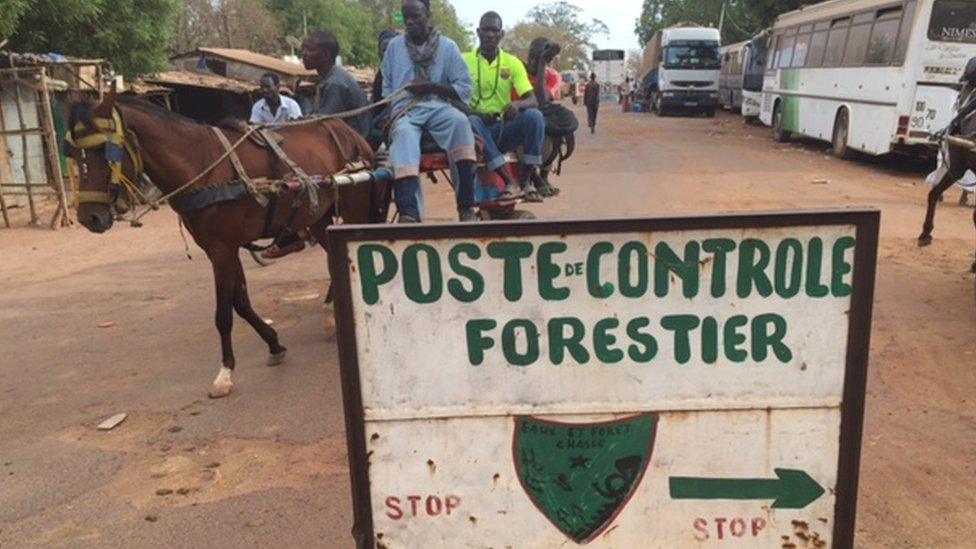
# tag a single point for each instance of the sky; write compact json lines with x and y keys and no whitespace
{"x":619,"y":15}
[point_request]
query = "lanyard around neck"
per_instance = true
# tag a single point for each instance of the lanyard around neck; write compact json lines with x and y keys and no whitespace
{"x":494,"y":91}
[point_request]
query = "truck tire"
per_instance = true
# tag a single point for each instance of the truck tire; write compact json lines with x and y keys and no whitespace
{"x":779,"y":134}
{"x":658,"y":106}
{"x":841,"y":132}
{"x":710,"y":113}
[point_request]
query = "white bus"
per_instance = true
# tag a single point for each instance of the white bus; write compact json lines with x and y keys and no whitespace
{"x":753,"y":70}
{"x":610,"y":67}
{"x":730,"y":77}
{"x":870,"y":75}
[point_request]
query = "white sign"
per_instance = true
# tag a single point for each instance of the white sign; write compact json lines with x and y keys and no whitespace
{"x":630,"y":383}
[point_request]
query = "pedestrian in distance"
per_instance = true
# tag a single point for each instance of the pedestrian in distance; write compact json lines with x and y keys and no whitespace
{"x":591,"y":98}
{"x":273,"y":107}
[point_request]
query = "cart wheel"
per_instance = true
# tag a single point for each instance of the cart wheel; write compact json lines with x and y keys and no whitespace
{"x":511,"y":215}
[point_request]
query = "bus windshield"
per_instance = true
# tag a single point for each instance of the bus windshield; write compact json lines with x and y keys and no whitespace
{"x":692,"y":55}
{"x":953,"y":21}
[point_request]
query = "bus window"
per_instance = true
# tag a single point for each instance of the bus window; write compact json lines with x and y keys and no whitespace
{"x":800,"y":50}
{"x":818,"y":44}
{"x":785,"y":51}
{"x":953,"y":21}
{"x":772,"y":57}
{"x":901,"y":47}
{"x":835,"y":42}
{"x":857,"y":44}
{"x":881,"y":46}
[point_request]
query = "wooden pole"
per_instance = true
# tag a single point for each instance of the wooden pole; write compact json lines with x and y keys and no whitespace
{"x":23,"y":144}
{"x":60,"y":218}
{"x":3,"y":172}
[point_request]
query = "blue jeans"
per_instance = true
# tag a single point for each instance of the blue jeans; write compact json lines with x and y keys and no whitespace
{"x":527,"y":130}
{"x":450,"y":129}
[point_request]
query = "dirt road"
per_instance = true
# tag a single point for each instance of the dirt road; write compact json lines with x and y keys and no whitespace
{"x":267,"y":465}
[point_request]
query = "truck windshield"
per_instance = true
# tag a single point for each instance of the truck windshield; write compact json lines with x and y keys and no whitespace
{"x":691,"y":55}
{"x":953,"y":21}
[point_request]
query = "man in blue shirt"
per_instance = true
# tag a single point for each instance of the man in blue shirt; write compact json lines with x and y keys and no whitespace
{"x":430,"y":68}
{"x":273,"y":107}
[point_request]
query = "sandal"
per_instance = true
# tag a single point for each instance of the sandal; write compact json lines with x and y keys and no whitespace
{"x":532,"y":195}
{"x":509,"y":193}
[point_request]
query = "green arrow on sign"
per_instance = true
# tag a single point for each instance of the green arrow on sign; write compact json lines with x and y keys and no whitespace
{"x":792,"y":489}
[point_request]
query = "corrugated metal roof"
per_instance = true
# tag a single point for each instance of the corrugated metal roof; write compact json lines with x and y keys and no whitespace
{"x":201,"y":80}
{"x":251,"y":58}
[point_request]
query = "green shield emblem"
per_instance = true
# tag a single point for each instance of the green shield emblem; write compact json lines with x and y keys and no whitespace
{"x":582,"y":475}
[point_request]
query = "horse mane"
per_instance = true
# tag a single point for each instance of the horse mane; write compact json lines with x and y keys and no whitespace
{"x":133,"y":101}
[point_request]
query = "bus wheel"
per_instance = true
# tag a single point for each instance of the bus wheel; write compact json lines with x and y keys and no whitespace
{"x":841,"y":131}
{"x":779,"y":134}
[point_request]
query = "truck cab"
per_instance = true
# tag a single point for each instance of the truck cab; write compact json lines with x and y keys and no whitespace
{"x":682,"y":70}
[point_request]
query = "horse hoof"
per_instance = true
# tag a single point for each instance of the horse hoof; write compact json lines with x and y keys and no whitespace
{"x":924,"y":240}
{"x":275,"y":359}
{"x":222,"y":385}
{"x":220,"y":391}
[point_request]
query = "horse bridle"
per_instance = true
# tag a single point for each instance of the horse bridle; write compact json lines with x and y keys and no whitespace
{"x":119,"y":142}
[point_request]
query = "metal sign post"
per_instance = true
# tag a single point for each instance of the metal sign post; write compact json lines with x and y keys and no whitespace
{"x":659,"y":382}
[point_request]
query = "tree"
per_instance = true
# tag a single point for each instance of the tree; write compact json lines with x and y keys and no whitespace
{"x":350,"y":21}
{"x":134,"y":35}
{"x":634,"y":62}
{"x":10,"y":13}
{"x":559,"y":22}
{"x":442,"y":16}
{"x":246,"y":24}
{"x":743,"y":18}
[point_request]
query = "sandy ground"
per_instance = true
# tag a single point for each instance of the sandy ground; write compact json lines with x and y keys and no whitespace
{"x":268,"y":464}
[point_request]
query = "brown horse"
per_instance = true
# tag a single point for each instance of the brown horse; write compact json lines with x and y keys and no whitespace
{"x":960,"y":155}
{"x":958,"y":159}
{"x":174,"y":150}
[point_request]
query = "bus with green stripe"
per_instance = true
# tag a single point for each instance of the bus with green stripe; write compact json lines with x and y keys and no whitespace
{"x":869,"y":75}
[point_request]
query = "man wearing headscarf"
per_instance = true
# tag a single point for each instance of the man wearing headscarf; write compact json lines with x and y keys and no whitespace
{"x":430,"y":68}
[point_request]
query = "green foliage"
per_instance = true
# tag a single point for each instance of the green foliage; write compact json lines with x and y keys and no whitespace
{"x":442,"y":15}
{"x":357,"y":23}
{"x":134,"y":35}
{"x":559,"y":22}
{"x":350,"y":21}
{"x":245,"y":24}
{"x":743,"y":18}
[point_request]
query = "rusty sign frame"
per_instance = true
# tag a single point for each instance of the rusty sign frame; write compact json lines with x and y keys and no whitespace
{"x":865,"y":220}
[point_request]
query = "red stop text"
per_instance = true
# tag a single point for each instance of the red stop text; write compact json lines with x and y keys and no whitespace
{"x":724,"y":528}
{"x":418,"y":506}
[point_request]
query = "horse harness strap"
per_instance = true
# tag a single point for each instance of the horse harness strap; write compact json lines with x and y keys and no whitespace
{"x":235,"y":161}
{"x":118,"y":141}
{"x":308,"y":188}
